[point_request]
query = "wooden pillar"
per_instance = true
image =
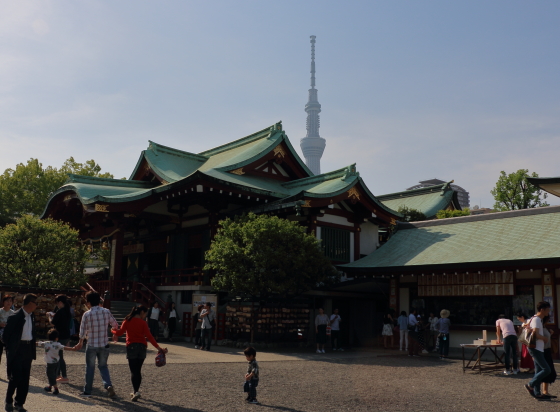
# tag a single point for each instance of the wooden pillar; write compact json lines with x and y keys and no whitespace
{"x":115,"y":273}
{"x":357,"y":233}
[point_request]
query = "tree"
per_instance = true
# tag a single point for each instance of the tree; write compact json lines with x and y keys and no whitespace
{"x":263,"y":256}
{"x":411,"y":215}
{"x":26,"y":189}
{"x":44,"y":253}
{"x":445,"y":214}
{"x":513,"y":192}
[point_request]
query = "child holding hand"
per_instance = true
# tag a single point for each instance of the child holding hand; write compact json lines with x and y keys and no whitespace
{"x":52,"y":357}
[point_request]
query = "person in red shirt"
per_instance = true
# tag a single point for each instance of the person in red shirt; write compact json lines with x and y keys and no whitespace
{"x":137,"y":335}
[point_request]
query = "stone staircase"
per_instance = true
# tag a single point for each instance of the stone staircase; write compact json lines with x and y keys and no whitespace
{"x":121,"y":309}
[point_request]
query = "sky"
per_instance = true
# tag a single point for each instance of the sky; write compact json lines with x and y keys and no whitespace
{"x":409,"y":90}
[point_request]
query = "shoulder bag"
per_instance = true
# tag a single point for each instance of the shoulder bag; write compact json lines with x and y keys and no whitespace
{"x":528,"y":336}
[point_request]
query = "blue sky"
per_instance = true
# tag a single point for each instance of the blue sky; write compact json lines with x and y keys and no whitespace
{"x":409,"y":90}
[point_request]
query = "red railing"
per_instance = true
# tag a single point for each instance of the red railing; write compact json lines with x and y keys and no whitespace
{"x":174,"y":277}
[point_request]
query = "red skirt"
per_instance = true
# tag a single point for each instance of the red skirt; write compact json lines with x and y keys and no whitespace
{"x":526,"y":359}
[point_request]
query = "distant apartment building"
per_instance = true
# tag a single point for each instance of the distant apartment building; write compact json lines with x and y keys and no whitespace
{"x":476,"y":210}
{"x":462,"y":194}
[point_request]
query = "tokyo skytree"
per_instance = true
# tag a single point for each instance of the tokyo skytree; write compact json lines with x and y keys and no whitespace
{"x":313,"y":145}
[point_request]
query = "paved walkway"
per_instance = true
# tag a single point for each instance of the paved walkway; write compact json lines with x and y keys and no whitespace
{"x":39,"y":400}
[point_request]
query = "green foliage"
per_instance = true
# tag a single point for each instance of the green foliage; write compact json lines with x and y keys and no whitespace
{"x":514,"y":192}
{"x":26,"y":189}
{"x":411,"y":215}
{"x":44,"y":253}
{"x":263,"y":256}
{"x":444,"y":214}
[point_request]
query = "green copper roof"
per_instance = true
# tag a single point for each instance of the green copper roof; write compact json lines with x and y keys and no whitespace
{"x":428,"y":200}
{"x":498,"y":237}
{"x":176,"y":167}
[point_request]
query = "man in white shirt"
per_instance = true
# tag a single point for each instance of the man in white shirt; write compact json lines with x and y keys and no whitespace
{"x":542,"y":370}
{"x":208,"y":317}
{"x":505,"y":328}
{"x":335,"y":331}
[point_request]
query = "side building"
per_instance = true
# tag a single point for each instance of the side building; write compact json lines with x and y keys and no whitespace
{"x":462,"y":194}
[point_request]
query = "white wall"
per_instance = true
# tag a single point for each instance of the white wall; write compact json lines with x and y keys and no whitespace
{"x":369,"y":238}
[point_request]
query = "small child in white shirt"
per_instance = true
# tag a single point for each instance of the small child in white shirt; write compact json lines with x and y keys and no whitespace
{"x":52,"y":356}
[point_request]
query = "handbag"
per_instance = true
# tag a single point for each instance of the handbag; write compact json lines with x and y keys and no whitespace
{"x":528,"y":336}
{"x":160,"y":359}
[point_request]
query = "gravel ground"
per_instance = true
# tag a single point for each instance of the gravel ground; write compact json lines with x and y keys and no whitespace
{"x":361,"y":383}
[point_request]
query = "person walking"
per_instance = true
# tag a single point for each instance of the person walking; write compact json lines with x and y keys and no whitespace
{"x":551,"y":378}
{"x":172,"y":321}
{"x":94,"y":327}
{"x":443,"y":329}
{"x":5,"y":312}
{"x":208,"y":321}
{"x":432,"y":321}
{"x":153,"y":319}
{"x":137,"y":336}
{"x":413,"y":346}
{"x":19,"y":339}
{"x":542,"y":370}
{"x":321,"y":323}
{"x":402,"y":320}
{"x":526,"y":358}
{"x":335,"y":331}
{"x":61,"y":322}
{"x":53,"y":347}
{"x":505,"y":328}
{"x":387,"y":330}
{"x":197,"y":327}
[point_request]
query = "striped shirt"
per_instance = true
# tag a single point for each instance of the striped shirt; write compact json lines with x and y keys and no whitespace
{"x":94,"y":326}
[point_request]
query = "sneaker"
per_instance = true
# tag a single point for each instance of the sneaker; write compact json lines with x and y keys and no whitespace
{"x":530,"y":390}
{"x":323,"y":351}
{"x":318,"y":351}
{"x":135,"y":397}
{"x":254,"y":401}
{"x":424,"y":351}
{"x":516,"y":371}
{"x":84,"y":395}
{"x":196,"y":346}
{"x":62,"y":380}
{"x":111,"y":392}
{"x":56,"y":391}
{"x":8,"y":407}
{"x":507,"y":372}
{"x":19,"y":408}
{"x":47,"y":388}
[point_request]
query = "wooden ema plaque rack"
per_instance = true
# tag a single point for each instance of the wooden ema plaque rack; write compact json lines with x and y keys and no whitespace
{"x":290,"y":321}
{"x":467,"y":284}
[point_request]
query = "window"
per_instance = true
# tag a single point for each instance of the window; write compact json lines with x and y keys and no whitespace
{"x":186,"y":297}
{"x":336,"y":243}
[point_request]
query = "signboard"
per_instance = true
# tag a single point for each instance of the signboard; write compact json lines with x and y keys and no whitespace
{"x":131,"y":249}
{"x":201,"y":299}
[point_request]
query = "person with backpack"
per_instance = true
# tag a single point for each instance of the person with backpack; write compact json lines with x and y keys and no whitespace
{"x":208,"y":318}
{"x":61,"y":322}
{"x":137,"y":336}
{"x":542,"y":370}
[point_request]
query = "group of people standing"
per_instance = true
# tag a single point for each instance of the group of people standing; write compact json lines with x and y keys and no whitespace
{"x":205,"y":323}
{"x":324,"y":321}
{"x":19,"y":338}
{"x":414,"y":329}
